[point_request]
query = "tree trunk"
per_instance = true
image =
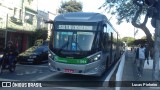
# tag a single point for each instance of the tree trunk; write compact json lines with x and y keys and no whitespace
{"x":142,"y":25}
{"x":157,"y":52}
{"x":149,"y":39}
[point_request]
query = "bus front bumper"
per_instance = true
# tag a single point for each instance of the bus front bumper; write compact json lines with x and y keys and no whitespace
{"x":93,"y":69}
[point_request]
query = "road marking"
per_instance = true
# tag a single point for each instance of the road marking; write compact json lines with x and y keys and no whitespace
{"x":45,"y":77}
{"x":1,"y":79}
{"x":19,"y":74}
{"x":110,"y":74}
{"x":43,"y":66}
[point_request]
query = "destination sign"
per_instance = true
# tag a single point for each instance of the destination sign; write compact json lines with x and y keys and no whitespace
{"x":75,"y":27}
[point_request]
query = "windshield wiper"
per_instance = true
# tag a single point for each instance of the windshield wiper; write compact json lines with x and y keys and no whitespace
{"x":79,"y":46}
{"x":63,"y":46}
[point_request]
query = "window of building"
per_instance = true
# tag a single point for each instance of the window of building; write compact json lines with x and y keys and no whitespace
{"x":29,"y":18}
{"x":20,"y":14}
{"x":105,"y":29}
{"x":17,"y":13}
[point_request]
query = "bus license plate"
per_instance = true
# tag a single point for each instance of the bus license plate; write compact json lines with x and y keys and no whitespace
{"x":69,"y":71}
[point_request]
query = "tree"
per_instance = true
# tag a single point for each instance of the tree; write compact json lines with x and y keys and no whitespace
{"x":70,"y":6}
{"x":40,"y":34}
{"x":132,"y":11}
{"x":144,"y":37}
{"x":128,"y":40}
{"x":139,"y":41}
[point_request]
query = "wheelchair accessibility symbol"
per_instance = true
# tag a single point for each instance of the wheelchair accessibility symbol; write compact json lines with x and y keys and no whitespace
{"x":73,"y":46}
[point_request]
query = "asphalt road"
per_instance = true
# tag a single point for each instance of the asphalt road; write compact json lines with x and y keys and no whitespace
{"x":53,"y":80}
{"x":26,"y":73}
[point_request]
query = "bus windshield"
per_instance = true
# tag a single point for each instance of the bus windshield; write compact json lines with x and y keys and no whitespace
{"x":73,"y":41}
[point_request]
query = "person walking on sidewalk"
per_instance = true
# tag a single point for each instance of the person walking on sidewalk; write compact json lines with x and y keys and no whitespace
{"x":142,"y":54}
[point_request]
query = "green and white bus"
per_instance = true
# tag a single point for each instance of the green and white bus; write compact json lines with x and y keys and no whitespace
{"x":83,"y":43}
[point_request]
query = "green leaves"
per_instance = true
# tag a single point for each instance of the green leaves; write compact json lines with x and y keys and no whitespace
{"x":123,"y":9}
{"x":70,"y":6}
{"x":128,"y":40}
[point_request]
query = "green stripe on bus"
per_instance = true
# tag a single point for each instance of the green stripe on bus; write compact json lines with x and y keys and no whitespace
{"x":71,"y":60}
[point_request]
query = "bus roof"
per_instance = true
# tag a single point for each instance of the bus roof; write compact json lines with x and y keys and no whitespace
{"x":81,"y":17}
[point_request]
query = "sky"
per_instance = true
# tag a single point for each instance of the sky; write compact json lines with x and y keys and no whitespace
{"x":124,"y":29}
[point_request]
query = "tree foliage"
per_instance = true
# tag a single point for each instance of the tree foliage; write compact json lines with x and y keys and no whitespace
{"x":144,"y":37}
{"x":139,"y":41}
{"x":40,"y":34}
{"x":70,"y":6}
{"x":128,"y":40}
{"x":130,"y":11}
{"x":125,"y":10}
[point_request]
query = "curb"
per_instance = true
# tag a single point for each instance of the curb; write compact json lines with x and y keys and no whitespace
{"x":150,"y":66}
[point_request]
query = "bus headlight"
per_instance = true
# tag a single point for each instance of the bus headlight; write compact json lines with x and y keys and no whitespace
{"x":94,"y":58}
{"x":50,"y":55}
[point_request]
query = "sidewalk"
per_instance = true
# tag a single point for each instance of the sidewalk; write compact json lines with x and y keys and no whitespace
{"x":129,"y":73}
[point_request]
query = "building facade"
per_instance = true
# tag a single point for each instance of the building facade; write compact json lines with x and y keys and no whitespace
{"x":51,"y":16}
{"x":19,"y":19}
{"x":41,"y":18}
{"x":5,"y":9}
{"x":19,"y":22}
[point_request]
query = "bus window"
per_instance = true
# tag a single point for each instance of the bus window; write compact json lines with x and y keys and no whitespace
{"x":105,"y":29}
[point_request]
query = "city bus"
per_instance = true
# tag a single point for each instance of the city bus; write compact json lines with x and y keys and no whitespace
{"x":83,"y":43}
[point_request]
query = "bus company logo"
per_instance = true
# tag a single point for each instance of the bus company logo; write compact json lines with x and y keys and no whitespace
{"x":6,"y":84}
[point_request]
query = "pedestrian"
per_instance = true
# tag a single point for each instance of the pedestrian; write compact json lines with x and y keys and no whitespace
{"x":141,"y":56}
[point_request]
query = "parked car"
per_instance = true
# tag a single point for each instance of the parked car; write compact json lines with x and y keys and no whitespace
{"x":36,"y":54}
